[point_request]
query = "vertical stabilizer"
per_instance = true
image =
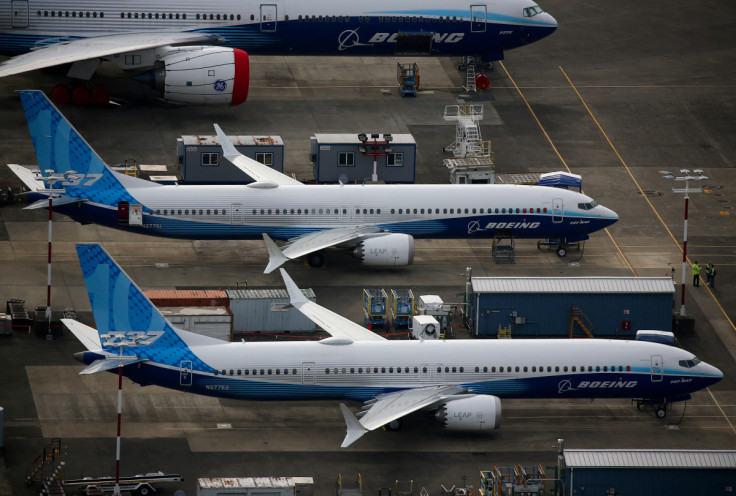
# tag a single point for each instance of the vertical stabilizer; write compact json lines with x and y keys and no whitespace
{"x":126,"y":317}
{"x":61,"y":149}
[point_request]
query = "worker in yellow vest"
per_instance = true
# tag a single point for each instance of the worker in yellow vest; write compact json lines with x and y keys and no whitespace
{"x":696,"y":274}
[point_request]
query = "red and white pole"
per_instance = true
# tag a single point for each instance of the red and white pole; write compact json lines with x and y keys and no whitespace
{"x":48,"y":286}
{"x":116,"y":491}
{"x":684,"y":260}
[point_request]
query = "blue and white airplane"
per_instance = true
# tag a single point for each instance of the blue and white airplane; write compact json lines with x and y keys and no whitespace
{"x":170,"y":43}
{"x":378,"y":223}
{"x":462,"y":380}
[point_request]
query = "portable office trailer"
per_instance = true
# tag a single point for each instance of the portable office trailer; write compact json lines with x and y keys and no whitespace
{"x":651,"y":472}
{"x":344,"y":157}
{"x":561,"y":306}
{"x":201,"y":160}
{"x":216,"y":322}
{"x":259,"y":310}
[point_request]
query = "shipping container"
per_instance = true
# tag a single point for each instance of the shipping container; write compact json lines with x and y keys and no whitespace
{"x":264,"y":310}
{"x":188,"y":297}
{"x":215,"y":322}
{"x":255,"y":486}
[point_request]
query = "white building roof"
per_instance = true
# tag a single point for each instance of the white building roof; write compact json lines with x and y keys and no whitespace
{"x":573,"y":285}
{"x":719,"y":459}
{"x":345,"y":139}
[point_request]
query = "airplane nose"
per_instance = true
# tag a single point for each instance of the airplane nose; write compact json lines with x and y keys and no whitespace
{"x":550,"y":20}
{"x":607,"y":214}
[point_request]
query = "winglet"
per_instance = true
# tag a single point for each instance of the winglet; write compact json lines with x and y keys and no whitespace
{"x":355,"y":428}
{"x":228,"y":149}
{"x":296,"y":296}
{"x":276,"y":257}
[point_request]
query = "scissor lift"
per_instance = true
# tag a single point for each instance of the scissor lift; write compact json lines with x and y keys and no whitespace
{"x":408,"y":76}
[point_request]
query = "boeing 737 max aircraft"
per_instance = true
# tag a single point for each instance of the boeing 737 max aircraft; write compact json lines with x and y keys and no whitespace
{"x":169,"y":44}
{"x":378,"y":223}
{"x":462,"y":380}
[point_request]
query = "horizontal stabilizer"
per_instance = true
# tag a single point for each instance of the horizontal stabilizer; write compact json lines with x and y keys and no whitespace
{"x":112,"y":362}
{"x":30,"y":180}
{"x":55,"y":202}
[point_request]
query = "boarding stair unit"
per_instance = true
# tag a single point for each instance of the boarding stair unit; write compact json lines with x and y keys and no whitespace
{"x":48,"y":468}
{"x":577,"y":316}
{"x":468,"y":141}
{"x":502,"y":247}
{"x":356,"y":490}
{"x":470,"y":84}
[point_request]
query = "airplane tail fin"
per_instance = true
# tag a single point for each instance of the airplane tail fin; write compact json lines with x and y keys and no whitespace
{"x":127,"y":322}
{"x":61,"y":150}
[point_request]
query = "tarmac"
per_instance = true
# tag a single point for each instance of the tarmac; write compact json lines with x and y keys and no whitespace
{"x":620,"y":92}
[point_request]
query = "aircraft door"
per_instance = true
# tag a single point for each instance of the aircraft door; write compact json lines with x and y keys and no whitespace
{"x":19,"y":9}
{"x":268,"y":17}
{"x":657,"y":368}
{"x":308,"y":373}
{"x":185,"y":373}
{"x":347,"y":214}
{"x":236,"y":213}
{"x":477,"y":18}
{"x":436,"y":372}
{"x":424,"y":372}
{"x":557,"y":212}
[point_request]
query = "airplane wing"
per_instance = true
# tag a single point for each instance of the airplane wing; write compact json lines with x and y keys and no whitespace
{"x":65,"y":52}
{"x":392,"y":406}
{"x":308,"y":243}
{"x":336,"y":325}
{"x":262,"y":174}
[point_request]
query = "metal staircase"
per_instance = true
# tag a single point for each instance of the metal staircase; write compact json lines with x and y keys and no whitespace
{"x":577,"y":316}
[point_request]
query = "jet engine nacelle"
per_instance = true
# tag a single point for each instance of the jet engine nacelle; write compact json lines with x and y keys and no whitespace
{"x":201,"y":75}
{"x":387,"y":250}
{"x":476,"y":413}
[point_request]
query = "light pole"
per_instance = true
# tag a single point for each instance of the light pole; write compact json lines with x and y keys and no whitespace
{"x":698,"y":176}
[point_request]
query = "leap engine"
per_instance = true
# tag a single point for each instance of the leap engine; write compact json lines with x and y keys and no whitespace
{"x":201,"y":75}
{"x":476,"y":413}
{"x":387,"y":250}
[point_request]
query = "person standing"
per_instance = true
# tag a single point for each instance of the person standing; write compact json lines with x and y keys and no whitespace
{"x":696,"y":274}
{"x":708,"y":268}
{"x":712,"y":277}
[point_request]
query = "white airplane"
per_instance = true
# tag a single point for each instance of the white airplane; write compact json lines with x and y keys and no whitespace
{"x":462,"y":380}
{"x":169,"y":44}
{"x":378,"y":223}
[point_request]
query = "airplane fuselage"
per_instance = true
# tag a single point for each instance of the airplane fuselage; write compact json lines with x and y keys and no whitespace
{"x":422,"y":211}
{"x":320,"y":27}
{"x":542,"y":368}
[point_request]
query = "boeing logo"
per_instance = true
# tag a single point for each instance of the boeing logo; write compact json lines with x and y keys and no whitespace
{"x":475,"y":226}
{"x":566,"y":385}
{"x":350,"y":38}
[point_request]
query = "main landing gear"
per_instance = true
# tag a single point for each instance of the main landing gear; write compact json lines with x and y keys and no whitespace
{"x":660,"y":409}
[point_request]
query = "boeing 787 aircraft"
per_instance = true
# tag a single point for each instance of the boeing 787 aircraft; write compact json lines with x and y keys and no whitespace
{"x":463,"y":381}
{"x":171,"y":44}
{"x":377,"y":223}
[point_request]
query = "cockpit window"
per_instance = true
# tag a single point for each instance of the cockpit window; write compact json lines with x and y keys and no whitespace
{"x":588,"y":206}
{"x":688,"y":364}
{"x":532,"y":11}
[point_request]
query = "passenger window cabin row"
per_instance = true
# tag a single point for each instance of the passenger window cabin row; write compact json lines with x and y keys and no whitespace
{"x":439,"y":369}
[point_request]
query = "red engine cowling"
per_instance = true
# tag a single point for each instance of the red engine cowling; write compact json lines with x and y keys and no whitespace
{"x":202,"y":76}
{"x":386,"y":250}
{"x":476,"y":413}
